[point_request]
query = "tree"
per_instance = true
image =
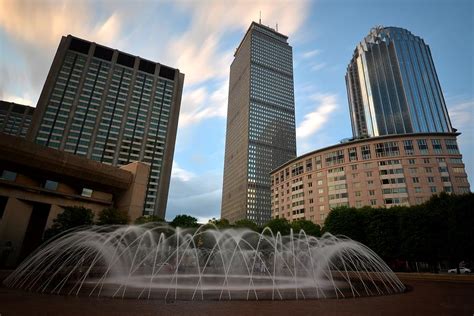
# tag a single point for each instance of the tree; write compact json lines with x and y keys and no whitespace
{"x":113,"y":216}
{"x":72,"y":216}
{"x":184,"y":221}
{"x":220,"y":223}
{"x":279,"y":225}
{"x":246,"y":223}
{"x":310,"y":228}
{"x":148,"y":219}
{"x":347,"y":221}
{"x":382,"y":231}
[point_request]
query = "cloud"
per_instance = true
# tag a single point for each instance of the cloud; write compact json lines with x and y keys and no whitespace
{"x":181,"y":174}
{"x":42,"y":23}
{"x":313,"y":121}
{"x":311,"y":53}
{"x":196,"y":196}
{"x":34,"y":29}
{"x":317,"y":66}
{"x":461,"y":114}
{"x":201,"y":55}
{"x":203,"y":103}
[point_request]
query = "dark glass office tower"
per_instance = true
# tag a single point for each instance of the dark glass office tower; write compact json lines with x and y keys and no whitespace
{"x":15,"y":119}
{"x":260,"y":132}
{"x":393,"y":87}
{"x":114,"y":108}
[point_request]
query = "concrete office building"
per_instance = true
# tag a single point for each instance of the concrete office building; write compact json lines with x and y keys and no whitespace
{"x":260,"y":131}
{"x":392,"y":86}
{"x":15,"y":119}
{"x":37,"y":182}
{"x":380,"y":171}
{"x":113,"y":108}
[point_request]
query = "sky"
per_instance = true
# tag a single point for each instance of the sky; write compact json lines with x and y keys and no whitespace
{"x":200,"y":37}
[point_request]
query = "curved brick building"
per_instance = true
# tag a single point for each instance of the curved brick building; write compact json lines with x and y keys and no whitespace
{"x":380,"y":171}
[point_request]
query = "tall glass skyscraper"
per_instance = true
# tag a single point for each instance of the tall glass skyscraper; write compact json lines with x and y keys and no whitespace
{"x":114,"y":108}
{"x":393,"y":87}
{"x":260,"y":132}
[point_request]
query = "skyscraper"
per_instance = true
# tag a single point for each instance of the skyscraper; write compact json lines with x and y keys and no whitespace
{"x":114,"y":108}
{"x":393,"y":87}
{"x":15,"y":118}
{"x":260,"y":132}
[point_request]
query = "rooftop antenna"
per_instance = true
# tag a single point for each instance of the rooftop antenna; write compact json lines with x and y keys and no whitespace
{"x":260,"y":19}
{"x":277,"y":27}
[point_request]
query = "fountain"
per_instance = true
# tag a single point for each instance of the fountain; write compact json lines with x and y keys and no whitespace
{"x":156,"y":261}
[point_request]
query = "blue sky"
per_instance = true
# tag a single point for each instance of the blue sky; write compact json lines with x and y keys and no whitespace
{"x":199,"y":38}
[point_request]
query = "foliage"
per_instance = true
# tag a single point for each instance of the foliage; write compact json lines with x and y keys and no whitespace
{"x":113,"y":216}
{"x":246,"y":223}
{"x":148,"y":219}
{"x":347,"y":221}
{"x":442,"y":229}
{"x":220,"y":223}
{"x":279,"y":225}
{"x":184,"y":221}
{"x":310,"y":228}
{"x":72,"y":216}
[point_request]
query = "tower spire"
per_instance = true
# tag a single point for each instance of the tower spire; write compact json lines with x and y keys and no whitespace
{"x":260,"y":18}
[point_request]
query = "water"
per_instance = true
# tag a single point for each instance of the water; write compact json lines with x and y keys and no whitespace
{"x":158,"y":262}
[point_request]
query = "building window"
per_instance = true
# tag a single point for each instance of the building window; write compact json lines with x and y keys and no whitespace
{"x":354,"y":167}
{"x":8,"y":175}
{"x":50,"y":185}
{"x":318,"y":162}
{"x":422,"y":146}
{"x":386,"y":149}
{"x":443,"y":169}
{"x":352,"y":153}
{"x":415,"y":180}
{"x":411,"y":161}
{"x":373,"y":202}
{"x":428,"y":169}
{"x":451,"y":146}
{"x":371,"y":192}
{"x":459,"y":170}
{"x":448,"y":189}
{"x":334,"y":158}
{"x":430,"y":179}
{"x":88,"y":192}
{"x":309,"y":165}
{"x":417,"y":190}
{"x":365,"y":150}
{"x":433,"y":189}
{"x":408,"y":147}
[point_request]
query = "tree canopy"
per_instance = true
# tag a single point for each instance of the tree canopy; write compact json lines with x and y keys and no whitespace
{"x":112,"y":216}
{"x":310,"y":228}
{"x":279,"y":225}
{"x":246,"y":223}
{"x":441,"y":229}
{"x":72,"y":216}
{"x":148,"y":219}
{"x":184,"y":221}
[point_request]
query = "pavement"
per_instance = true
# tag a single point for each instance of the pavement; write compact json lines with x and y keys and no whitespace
{"x":426,"y":295}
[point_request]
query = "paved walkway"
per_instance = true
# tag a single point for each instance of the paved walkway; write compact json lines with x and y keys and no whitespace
{"x":427,"y":297}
